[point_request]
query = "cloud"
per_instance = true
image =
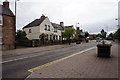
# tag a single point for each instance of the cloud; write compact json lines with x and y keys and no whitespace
{"x":92,"y":15}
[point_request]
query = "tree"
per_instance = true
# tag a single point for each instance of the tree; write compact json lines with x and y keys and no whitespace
{"x":103,"y":33}
{"x":86,"y":34}
{"x":117,"y":34}
{"x":69,"y":32}
{"x":21,"y":39}
{"x":42,"y":37}
{"x":111,"y":35}
{"x":21,"y":35}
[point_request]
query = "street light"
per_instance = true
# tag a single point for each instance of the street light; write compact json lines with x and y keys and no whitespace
{"x":76,"y":24}
{"x":15,"y":10}
{"x":15,"y":20}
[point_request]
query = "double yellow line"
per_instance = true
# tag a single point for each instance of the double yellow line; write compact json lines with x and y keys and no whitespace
{"x":47,"y":64}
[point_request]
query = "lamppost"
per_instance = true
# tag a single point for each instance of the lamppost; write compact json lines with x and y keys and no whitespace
{"x":15,"y":10}
{"x":118,"y":19}
{"x":15,"y":20}
{"x":77,"y":23}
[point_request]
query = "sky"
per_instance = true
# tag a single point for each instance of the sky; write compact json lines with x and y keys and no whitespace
{"x":92,"y":15}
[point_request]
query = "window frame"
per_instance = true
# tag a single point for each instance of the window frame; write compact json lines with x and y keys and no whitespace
{"x":45,"y":28}
{"x":30,"y":30}
{"x":48,"y":27}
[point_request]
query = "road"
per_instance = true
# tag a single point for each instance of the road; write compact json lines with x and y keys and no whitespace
{"x":19,"y":68}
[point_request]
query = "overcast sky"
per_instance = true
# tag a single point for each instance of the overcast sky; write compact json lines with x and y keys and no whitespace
{"x":93,"y":15}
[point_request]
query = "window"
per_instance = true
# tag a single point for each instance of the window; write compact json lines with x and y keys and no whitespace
{"x":47,"y":37}
{"x":56,"y":37}
{"x":0,"y":19}
{"x":59,"y":37}
{"x":55,"y":29}
{"x":45,"y":27}
{"x":30,"y":31}
{"x":48,"y":27}
{"x":50,"y":37}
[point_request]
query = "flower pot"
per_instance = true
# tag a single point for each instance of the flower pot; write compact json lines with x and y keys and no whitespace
{"x":104,"y":50}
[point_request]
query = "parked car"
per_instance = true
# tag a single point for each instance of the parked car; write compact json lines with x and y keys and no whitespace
{"x":98,"y":39}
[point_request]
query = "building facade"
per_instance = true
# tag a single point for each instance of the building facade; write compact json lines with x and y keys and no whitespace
{"x":43,"y":25}
{"x":7,"y":26}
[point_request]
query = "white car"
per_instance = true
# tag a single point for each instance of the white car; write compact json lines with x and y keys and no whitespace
{"x":98,"y":39}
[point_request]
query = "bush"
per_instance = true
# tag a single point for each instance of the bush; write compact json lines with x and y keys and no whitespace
{"x":36,"y":43}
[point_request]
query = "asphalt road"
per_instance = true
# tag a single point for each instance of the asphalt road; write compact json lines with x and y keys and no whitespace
{"x":18,"y":68}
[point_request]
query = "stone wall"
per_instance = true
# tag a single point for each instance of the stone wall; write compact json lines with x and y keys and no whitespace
{"x":8,"y":30}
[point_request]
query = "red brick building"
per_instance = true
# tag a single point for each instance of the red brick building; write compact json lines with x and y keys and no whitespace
{"x":7,"y":23}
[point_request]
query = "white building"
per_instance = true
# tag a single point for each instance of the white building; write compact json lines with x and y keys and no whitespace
{"x":43,"y":25}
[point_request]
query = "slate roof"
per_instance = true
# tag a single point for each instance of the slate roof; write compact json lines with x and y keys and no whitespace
{"x":57,"y":26}
{"x":36,"y":22}
{"x":6,"y":11}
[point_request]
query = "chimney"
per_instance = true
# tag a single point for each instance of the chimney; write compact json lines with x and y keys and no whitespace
{"x":43,"y":16}
{"x":78,"y":28}
{"x":62,"y":24}
{"x":6,"y":3}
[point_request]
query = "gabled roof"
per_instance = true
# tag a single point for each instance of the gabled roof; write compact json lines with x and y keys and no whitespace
{"x":36,"y":22}
{"x":57,"y":26}
{"x":6,"y":11}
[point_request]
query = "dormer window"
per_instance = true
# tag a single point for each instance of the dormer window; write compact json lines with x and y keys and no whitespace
{"x":48,"y":27}
{"x":0,"y":19}
{"x":30,"y":31}
{"x":45,"y":27}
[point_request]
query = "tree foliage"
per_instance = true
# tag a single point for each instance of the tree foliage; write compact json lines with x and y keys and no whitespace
{"x":21,"y":39}
{"x":42,"y":36}
{"x":103,"y":34}
{"x":21,"y":35}
{"x":69,"y":32}
{"x":117,"y":34}
{"x":86,"y":34}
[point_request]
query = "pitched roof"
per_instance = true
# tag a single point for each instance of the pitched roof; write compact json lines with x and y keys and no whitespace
{"x":36,"y":22}
{"x":6,"y":11}
{"x":57,"y":26}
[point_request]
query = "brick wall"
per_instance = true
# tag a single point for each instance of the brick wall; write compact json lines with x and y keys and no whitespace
{"x":8,"y":30}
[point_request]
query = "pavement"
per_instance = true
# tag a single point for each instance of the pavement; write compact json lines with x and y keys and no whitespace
{"x":83,"y":65}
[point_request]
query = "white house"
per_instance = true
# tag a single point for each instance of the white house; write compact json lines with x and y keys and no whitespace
{"x":43,"y":25}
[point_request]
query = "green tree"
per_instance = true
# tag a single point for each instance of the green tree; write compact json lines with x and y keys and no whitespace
{"x":86,"y":34}
{"x":103,"y":33}
{"x":42,"y":37}
{"x":117,"y":34}
{"x":111,"y":35}
{"x":21,"y":35}
{"x":21,"y":39}
{"x":69,"y":32}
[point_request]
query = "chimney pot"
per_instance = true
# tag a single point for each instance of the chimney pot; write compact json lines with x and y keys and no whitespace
{"x":62,"y":24}
{"x":6,"y":3}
